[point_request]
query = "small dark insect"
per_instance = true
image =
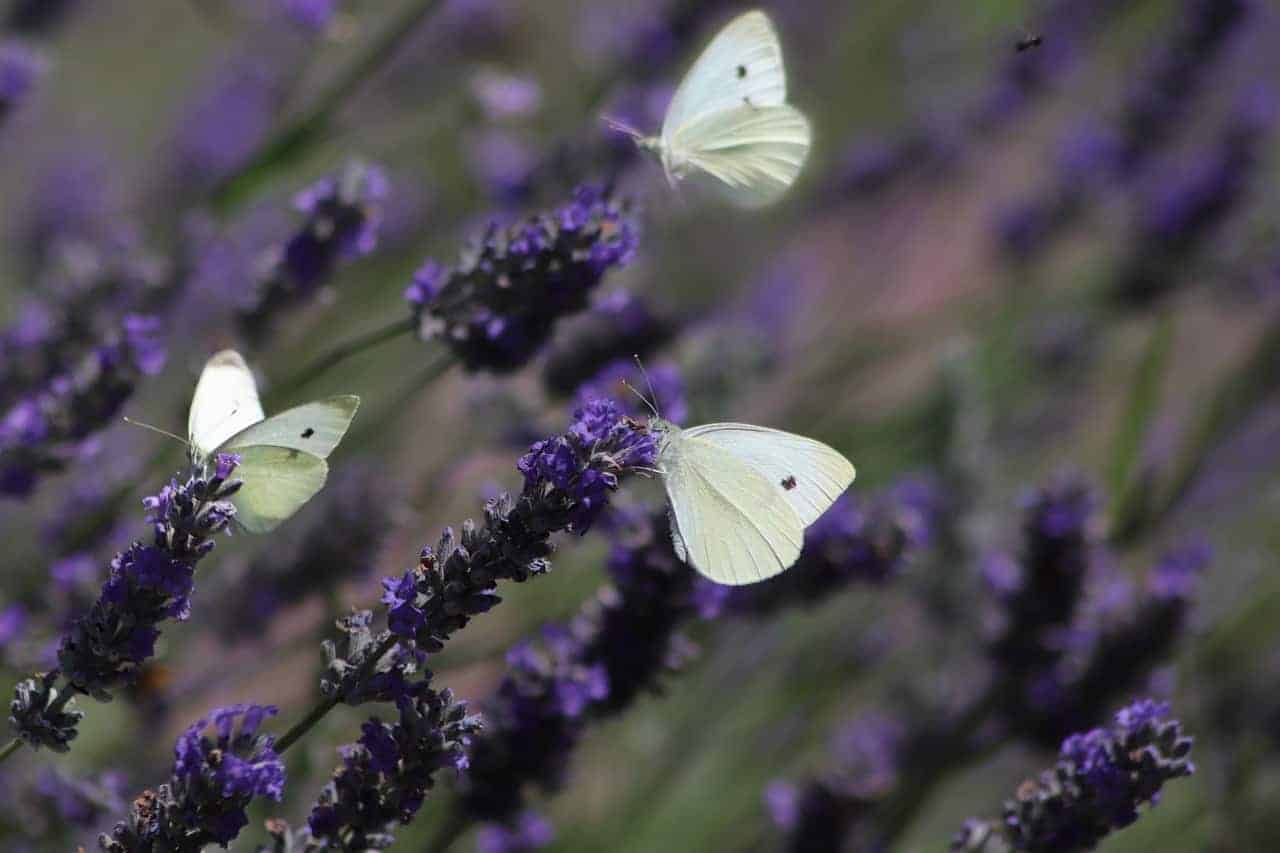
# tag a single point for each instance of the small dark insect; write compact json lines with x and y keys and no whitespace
{"x":1027,"y":42}
{"x":742,"y":71}
{"x":308,"y":432}
{"x":790,"y":482}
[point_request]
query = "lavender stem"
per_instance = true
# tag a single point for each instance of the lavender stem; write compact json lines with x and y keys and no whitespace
{"x":346,"y":350}
{"x":10,"y":748}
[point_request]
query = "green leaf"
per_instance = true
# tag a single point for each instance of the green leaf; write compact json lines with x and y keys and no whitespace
{"x":1125,"y":484}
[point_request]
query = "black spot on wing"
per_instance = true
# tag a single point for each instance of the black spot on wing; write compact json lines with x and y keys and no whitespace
{"x":742,"y":71}
{"x":789,"y":482}
{"x":308,"y":432}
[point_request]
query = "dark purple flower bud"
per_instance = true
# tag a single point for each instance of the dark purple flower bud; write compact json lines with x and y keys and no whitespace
{"x":386,"y":776}
{"x":221,"y":764}
{"x":498,"y":307}
{"x":1100,"y":781}
{"x":39,"y":713}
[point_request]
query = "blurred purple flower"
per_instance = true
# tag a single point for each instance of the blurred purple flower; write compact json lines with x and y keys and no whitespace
{"x":529,"y":832}
{"x":506,"y":96}
{"x":342,"y":217}
{"x":620,"y":326}
{"x":623,"y":379}
{"x":311,"y":14}
{"x":45,"y":430}
{"x":226,"y":121}
{"x":82,"y":802}
{"x":20,"y":67}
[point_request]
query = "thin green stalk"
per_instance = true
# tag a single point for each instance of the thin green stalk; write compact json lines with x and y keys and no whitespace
{"x":345,"y":350}
{"x":323,"y":707}
{"x":10,"y":748}
{"x":293,"y":139}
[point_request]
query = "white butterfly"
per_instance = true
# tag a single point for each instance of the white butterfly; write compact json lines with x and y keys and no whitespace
{"x":282,"y":458}
{"x":741,"y":496}
{"x":729,"y":118}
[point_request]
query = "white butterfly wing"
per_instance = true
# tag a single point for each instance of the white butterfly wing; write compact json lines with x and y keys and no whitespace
{"x":743,"y":64}
{"x":808,"y":474}
{"x":277,"y":481}
{"x":755,"y":154}
{"x":225,"y":403}
{"x":314,"y":428}
{"x":728,"y":521}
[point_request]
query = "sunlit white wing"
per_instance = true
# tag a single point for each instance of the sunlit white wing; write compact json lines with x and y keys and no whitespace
{"x":743,"y":64}
{"x":225,"y":403}
{"x":808,"y":474}
{"x":315,"y":428}
{"x":754,"y":154}
{"x":728,"y":521}
{"x":276,"y":482}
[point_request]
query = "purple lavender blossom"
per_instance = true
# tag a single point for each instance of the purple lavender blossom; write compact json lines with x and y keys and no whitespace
{"x":500,"y":305}
{"x":147,"y":585}
{"x":385,"y":777}
{"x":40,"y":433}
{"x":1100,"y":781}
{"x":221,"y":764}
{"x":342,"y":216}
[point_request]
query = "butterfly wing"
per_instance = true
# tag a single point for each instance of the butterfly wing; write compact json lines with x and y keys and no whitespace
{"x":754,"y":153}
{"x":743,"y":64}
{"x":277,"y":481}
{"x":728,"y":522}
{"x":314,"y":428}
{"x":225,"y":403}
{"x":807,"y":474}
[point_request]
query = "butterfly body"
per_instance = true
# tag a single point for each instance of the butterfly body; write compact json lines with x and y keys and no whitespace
{"x":729,"y":119}
{"x":282,"y":458}
{"x":741,"y":496}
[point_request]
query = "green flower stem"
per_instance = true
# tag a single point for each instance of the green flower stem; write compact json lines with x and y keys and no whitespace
{"x":296,"y":137}
{"x":10,"y":748}
{"x":322,"y":708}
{"x":319,"y":366}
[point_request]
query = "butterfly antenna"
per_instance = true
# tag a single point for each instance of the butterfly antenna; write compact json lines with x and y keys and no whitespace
{"x":157,"y":429}
{"x":622,"y":127}
{"x":653,"y":395}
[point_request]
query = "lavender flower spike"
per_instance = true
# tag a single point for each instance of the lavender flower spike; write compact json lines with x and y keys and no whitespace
{"x":1101,"y":779}
{"x":214,"y":780}
{"x":497,"y":308}
{"x":20,"y":67}
{"x":148,"y":584}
